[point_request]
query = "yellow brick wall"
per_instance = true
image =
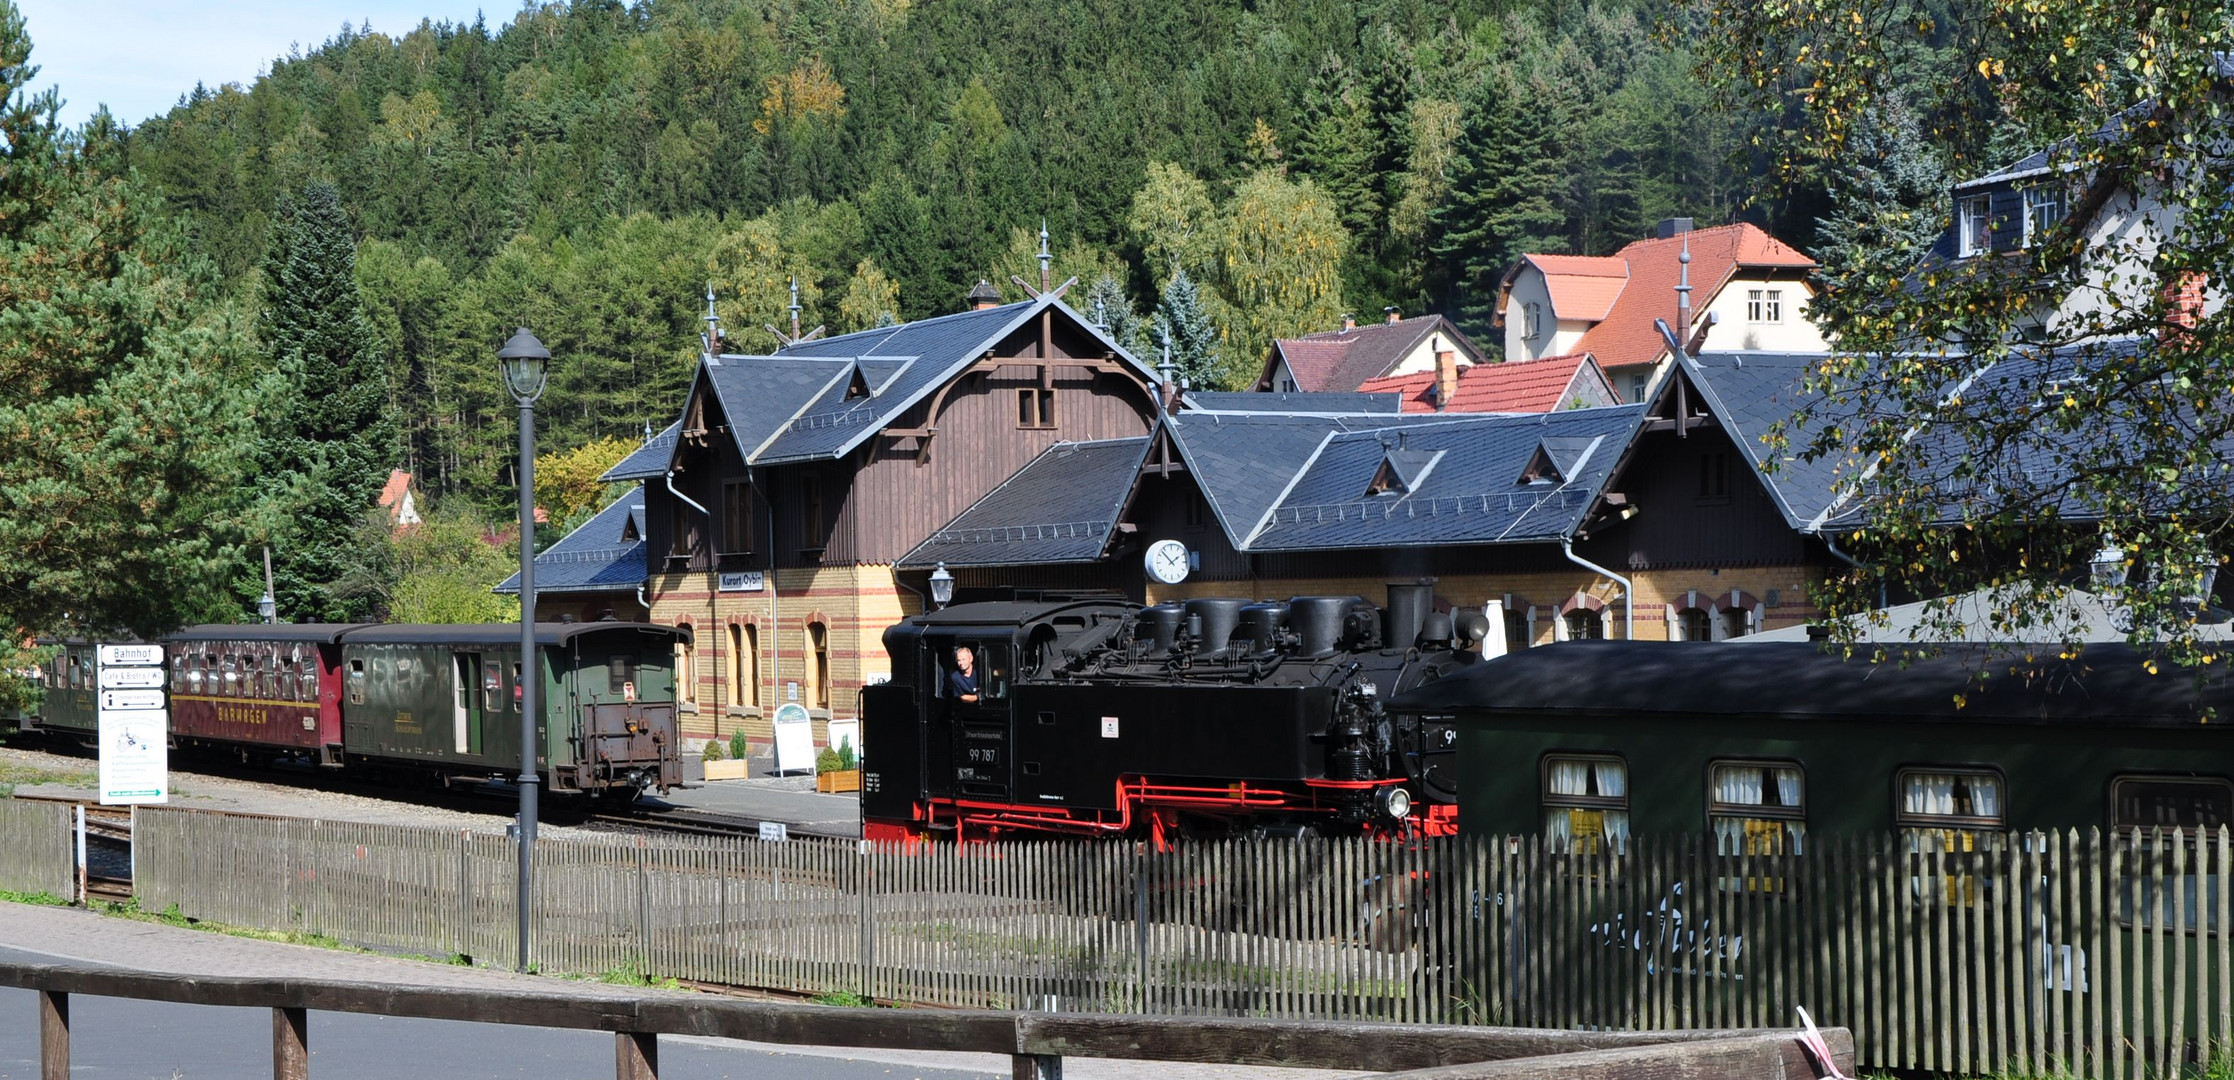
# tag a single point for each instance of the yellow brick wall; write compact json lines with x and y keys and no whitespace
{"x":854,"y":603}
{"x":1549,"y":590}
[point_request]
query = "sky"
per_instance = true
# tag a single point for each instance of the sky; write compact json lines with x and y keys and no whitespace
{"x":138,"y":56}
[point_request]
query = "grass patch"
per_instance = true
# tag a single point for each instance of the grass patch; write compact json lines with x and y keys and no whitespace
{"x":630,"y":975}
{"x":43,"y":899}
{"x":16,"y":774}
{"x":170,"y":916}
{"x":845,"y":1000}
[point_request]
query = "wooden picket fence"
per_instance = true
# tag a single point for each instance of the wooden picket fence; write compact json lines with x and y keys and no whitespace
{"x":2092,"y":955}
{"x":37,"y":848}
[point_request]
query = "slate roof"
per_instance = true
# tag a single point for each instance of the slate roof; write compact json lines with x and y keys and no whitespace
{"x":647,"y":461}
{"x":799,"y":403}
{"x":1750,"y":392}
{"x":1339,"y":360}
{"x":1295,"y":402}
{"x":599,"y":556}
{"x":1061,"y":507}
{"x":1473,"y":494}
{"x":1626,"y":336}
{"x":1242,"y":461}
{"x":1530,"y":386}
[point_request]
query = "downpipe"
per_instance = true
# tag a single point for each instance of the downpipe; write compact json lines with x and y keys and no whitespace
{"x":1628,"y":594}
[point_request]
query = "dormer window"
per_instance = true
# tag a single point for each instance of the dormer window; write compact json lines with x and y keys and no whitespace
{"x":1531,"y":321}
{"x":1974,"y":224}
{"x":2044,"y":210}
{"x":1402,"y":471}
{"x":1764,"y":305}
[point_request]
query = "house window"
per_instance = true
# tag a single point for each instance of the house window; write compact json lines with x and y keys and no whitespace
{"x":1638,"y":383}
{"x":1714,"y":476}
{"x":2150,"y":802}
{"x":812,"y":528}
{"x":686,"y":673}
{"x":1531,"y":322}
{"x":1586,"y":803}
{"x":818,"y":666}
{"x":736,"y":517}
{"x":1035,"y":408}
{"x":1584,"y":624}
{"x":1950,"y":809}
{"x":2044,"y":210}
{"x":1757,"y":807}
{"x":744,"y":666}
{"x":1974,"y":224}
{"x":1764,"y":305}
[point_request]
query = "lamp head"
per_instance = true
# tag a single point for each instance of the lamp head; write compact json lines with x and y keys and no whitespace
{"x":2107,"y":568}
{"x":526,"y":365}
{"x":942,"y":586}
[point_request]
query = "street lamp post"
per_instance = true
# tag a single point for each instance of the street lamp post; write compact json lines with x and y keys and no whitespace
{"x":526,"y":366}
{"x":942,"y":586}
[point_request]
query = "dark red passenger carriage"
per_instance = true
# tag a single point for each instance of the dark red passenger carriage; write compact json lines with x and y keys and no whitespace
{"x":265,"y":691}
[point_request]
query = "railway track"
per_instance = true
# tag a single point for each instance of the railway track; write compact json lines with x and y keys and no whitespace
{"x":693,"y":822}
{"x":108,"y":846}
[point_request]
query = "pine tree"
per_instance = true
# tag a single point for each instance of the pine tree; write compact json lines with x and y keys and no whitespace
{"x":1500,"y":205}
{"x":1106,"y":302}
{"x":331,"y":443}
{"x":1182,"y":322}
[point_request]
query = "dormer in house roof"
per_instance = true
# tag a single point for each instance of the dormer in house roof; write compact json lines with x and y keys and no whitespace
{"x":1558,"y":458}
{"x":1402,"y":471}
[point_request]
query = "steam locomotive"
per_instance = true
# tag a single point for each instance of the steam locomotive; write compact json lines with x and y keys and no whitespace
{"x":1212,"y":716}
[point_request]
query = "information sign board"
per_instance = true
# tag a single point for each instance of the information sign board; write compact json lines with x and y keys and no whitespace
{"x":794,"y":738}
{"x":133,"y":726}
{"x":130,"y":699}
{"x":130,"y":655}
{"x":126,"y":678}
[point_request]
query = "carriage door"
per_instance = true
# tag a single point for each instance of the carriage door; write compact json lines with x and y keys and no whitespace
{"x":477,"y":684}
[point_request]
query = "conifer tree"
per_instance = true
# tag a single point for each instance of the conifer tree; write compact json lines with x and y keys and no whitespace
{"x":1183,"y":322}
{"x":1106,"y":303}
{"x":331,"y":441}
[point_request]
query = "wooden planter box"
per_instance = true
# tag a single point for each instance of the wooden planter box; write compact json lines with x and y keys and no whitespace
{"x":727,"y":769}
{"x":837,"y":781}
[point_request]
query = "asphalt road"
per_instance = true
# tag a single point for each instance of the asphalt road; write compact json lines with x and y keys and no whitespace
{"x":121,"y":1039}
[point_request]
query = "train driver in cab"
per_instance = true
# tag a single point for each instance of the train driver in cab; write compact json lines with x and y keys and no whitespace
{"x":961,"y":683}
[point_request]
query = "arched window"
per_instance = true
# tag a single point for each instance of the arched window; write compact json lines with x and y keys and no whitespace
{"x":1585,"y":624}
{"x":1694,"y":624}
{"x":818,"y":666}
{"x":744,"y":666}
{"x":686,"y":671}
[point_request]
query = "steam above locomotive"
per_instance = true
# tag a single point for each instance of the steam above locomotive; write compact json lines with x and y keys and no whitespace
{"x":1214,"y":716}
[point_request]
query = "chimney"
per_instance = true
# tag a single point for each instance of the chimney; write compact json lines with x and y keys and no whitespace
{"x":1349,"y":322}
{"x":1390,"y":311}
{"x":1670,"y":228}
{"x":983,"y":296}
{"x":1446,"y":378}
{"x":2183,"y":301}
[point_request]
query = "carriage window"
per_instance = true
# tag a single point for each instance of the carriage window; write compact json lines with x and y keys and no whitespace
{"x":2146,"y":802}
{"x":619,"y":672}
{"x":989,"y":663}
{"x":178,"y":673}
{"x":1951,"y":809}
{"x":1586,"y":803}
{"x":516,"y":686}
{"x":1757,"y":807}
{"x":357,"y":680}
{"x":492,"y":686}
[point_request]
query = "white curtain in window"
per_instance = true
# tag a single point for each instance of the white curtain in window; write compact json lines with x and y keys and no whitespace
{"x":1788,"y":787}
{"x":1729,"y":835}
{"x":1617,"y":830}
{"x":1738,"y":785}
{"x":1559,"y":831}
{"x":1985,"y":796}
{"x":1569,"y":777}
{"x":1928,"y":793}
{"x":1796,"y":832}
{"x":1613,"y":778}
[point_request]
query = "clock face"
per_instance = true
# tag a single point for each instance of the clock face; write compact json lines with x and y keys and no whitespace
{"x":1167,"y":561}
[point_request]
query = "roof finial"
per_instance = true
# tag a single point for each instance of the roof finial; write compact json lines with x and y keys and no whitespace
{"x":1101,"y":313}
{"x":713,"y":325}
{"x":1683,"y":294}
{"x":1046,"y":281}
{"x":794,"y":309}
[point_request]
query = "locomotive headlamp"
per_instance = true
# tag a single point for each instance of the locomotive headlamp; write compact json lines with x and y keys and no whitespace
{"x":527,"y":366}
{"x":942,"y":586}
{"x":1396,"y":803}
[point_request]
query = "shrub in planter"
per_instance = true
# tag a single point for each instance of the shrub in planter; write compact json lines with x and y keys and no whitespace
{"x":826,"y":761}
{"x":711,"y":751}
{"x":846,"y":756}
{"x":737,"y":747}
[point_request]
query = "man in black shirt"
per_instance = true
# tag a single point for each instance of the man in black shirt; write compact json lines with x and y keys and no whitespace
{"x":961,"y":683}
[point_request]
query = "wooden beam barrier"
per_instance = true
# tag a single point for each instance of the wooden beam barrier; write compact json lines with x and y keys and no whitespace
{"x":290,"y":1044}
{"x":1035,"y":1042}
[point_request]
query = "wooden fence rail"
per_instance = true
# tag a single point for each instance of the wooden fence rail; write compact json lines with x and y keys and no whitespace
{"x":2096,"y":955}
{"x":1035,"y":1042}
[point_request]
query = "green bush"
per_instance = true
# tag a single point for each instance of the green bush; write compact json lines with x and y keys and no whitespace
{"x":846,"y":758}
{"x":711,"y":751}
{"x":826,"y":761}
{"x":738,"y":748}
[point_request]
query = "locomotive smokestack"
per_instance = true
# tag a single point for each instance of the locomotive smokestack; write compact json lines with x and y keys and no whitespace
{"x":1408,"y":604}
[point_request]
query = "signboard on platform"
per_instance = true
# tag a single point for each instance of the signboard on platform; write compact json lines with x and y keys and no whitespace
{"x":743,"y":581}
{"x":133,"y":726}
{"x":794,"y":738}
{"x":844,"y":731}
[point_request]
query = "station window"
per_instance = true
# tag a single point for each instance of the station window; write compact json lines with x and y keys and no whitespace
{"x":1586,"y":803}
{"x":1583,"y":624}
{"x":1518,"y":634}
{"x":1035,"y":408}
{"x":1757,"y":807}
{"x":1695,"y":624}
{"x":2171,"y":802}
{"x":1951,"y":809}
{"x":818,"y":665}
{"x":1737,"y":622}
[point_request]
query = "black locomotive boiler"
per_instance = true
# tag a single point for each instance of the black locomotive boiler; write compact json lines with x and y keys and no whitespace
{"x":1212,"y":716}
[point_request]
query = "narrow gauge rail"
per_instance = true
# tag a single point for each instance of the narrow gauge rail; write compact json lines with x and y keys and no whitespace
{"x":691,"y":822}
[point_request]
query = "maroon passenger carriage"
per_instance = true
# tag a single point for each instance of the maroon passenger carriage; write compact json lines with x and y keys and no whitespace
{"x":262,"y":691}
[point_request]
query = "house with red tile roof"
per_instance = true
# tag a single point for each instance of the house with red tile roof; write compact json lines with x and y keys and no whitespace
{"x":1515,"y":386}
{"x":1339,"y":361}
{"x":1749,"y":291}
{"x":397,"y":498}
